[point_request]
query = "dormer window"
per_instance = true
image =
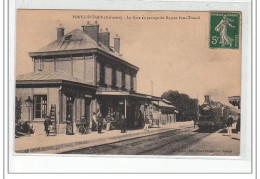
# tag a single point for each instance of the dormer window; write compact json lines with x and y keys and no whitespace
{"x":68,"y":37}
{"x":40,"y":65}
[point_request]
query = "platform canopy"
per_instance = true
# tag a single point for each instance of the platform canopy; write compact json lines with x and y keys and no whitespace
{"x":128,"y":94}
{"x":164,"y":105}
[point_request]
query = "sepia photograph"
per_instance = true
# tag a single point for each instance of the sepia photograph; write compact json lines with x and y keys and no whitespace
{"x":153,"y":83}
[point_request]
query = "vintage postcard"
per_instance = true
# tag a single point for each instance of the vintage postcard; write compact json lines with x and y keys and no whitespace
{"x":128,"y":82}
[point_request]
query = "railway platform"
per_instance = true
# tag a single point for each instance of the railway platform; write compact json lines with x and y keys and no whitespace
{"x":62,"y":143}
{"x":216,"y":144}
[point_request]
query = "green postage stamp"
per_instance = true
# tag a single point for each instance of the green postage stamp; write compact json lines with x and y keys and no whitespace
{"x":224,"y":30}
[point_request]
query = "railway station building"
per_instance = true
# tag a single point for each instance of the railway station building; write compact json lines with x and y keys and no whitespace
{"x":164,"y":111}
{"x":77,"y":74}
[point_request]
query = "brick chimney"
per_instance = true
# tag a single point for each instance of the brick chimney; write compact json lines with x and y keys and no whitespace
{"x":104,"y":37}
{"x":60,"y":32}
{"x":117,"y":44}
{"x":91,"y":30}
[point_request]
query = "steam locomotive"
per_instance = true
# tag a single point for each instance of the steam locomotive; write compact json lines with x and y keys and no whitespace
{"x":212,"y":114}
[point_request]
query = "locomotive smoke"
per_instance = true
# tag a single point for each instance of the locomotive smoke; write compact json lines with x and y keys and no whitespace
{"x":217,"y":95}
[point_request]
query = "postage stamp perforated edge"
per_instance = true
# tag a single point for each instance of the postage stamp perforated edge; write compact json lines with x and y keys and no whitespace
{"x":238,"y":36}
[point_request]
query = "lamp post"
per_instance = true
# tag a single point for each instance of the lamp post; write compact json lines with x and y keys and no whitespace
{"x":122,"y":107}
{"x":159,"y":113}
{"x":28,"y":103}
{"x":176,"y":112}
{"x":145,"y":110}
{"x":125,"y":107}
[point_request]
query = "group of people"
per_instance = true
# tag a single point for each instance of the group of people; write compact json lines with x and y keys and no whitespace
{"x":23,"y":128}
{"x":97,"y":122}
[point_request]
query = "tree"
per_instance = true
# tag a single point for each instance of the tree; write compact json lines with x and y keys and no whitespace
{"x":187,"y":107}
{"x":18,"y":109}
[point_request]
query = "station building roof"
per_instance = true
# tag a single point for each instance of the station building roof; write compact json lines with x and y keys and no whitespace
{"x":50,"y":77}
{"x":78,"y":42}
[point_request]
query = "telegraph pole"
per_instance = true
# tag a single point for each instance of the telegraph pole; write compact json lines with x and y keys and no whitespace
{"x":198,"y":107}
{"x":152,"y":87}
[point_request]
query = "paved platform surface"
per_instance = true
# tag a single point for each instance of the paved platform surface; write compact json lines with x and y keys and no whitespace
{"x":216,"y":144}
{"x":63,"y":142}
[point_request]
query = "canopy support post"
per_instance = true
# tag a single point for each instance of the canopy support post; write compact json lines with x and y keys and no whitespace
{"x":125,"y":107}
{"x":159,"y":115}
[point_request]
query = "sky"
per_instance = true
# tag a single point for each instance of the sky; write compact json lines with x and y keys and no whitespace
{"x":170,"y":49}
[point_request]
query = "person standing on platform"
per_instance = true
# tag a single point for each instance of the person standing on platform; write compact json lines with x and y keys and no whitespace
{"x":100,"y":122}
{"x":151,"y":120}
{"x":238,"y":124}
{"x":108,"y":120}
{"x":93,"y":122}
{"x":123,"y":124}
{"x":229,"y":125}
{"x":47,"y":123}
{"x":146,"y":123}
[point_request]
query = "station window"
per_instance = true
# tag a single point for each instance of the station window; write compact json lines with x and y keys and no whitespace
{"x":102,"y":74}
{"x":123,"y":79}
{"x":131,"y":82}
{"x":113,"y":77}
{"x":40,"y":106}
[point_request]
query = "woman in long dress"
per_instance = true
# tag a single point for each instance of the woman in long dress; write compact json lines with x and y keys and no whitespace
{"x":222,"y":29}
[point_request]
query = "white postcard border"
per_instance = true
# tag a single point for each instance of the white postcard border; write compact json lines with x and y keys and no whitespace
{"x":175,"y":164}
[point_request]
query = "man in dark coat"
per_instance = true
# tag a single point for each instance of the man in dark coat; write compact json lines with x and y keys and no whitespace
{"x":238,"y":124}
{"x":100,"y":122}
{"x":47,"y":123}
{"x":229,"y":125}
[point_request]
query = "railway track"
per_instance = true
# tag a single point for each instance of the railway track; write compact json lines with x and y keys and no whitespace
{"x":175,"y":146}
{"x":166,"y":143}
